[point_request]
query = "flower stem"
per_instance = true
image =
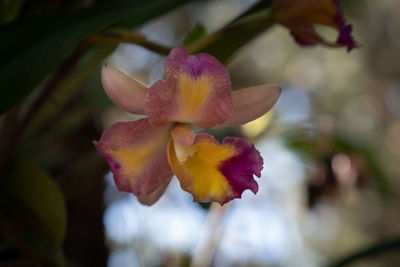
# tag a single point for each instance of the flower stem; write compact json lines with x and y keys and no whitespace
{"x":116,"y":36}
{"x":210,"y":236}
{"x":224,"y":42}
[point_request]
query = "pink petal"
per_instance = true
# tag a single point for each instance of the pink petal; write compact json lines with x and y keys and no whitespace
{"x":251,"y":103}
{"x":196,"y":90}
{"x":123,"y":90}
{"x":136,"y":153}
{"x":211,"y":171}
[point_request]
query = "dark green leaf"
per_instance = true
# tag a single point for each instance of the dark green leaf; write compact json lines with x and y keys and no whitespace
{"x":224,"y":43}
{"x":230,"y":41}
{"x":9,"y":10}
{"x":39,"y":202}
{"x":195,"y":34}
{"x":30,"y":49}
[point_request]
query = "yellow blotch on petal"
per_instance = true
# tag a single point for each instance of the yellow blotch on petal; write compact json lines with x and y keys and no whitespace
{"x":135,"y":160}
{"x":193,"y":94}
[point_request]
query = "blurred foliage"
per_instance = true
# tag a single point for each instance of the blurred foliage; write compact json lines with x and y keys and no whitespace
{"x":48,"y":39}
{"x":321,"y":150}
{"x":9,"y":10}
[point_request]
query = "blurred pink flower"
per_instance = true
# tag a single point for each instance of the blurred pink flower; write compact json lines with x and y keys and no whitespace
{"x":300,"y":17}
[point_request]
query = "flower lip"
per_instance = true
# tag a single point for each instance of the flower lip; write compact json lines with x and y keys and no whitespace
{"x":211,"y":171}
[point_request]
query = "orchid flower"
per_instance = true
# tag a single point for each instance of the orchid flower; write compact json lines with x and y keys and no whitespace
{"x":144,"y":154}
{"x":300,"y":17}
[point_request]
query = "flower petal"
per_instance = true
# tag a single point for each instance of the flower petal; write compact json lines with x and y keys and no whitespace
{"x":285,"y":10}
{"x":196,"y":90}
{"x":211,"y":171}
{"x":154,"y":196}
{"x":300,"y":17}
{"x":136,"y":153}
{"x":304,"y":34}
{"x":123,"y":90}
{"x":344,"y":38}
{"x":251,"y":103}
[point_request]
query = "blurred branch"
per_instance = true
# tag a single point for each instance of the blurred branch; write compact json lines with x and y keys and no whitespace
{"x":117,"y":36}
{"x":56,"y":78}
{"x":63,"y":70}
{"x":383,"y":247}
{"x":248,"y":26}
{"x":73,"y":94}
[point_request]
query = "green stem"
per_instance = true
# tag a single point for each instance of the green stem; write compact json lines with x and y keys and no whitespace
{"x":373,"y":250}
{"x":115,"y":36}
{"x":247,"y":27}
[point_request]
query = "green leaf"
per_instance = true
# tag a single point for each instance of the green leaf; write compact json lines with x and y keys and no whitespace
{"x":225,"y":42}
{"x":30,"y":49}
{"x":38,"y":201}
{"x":230,"y":41}
{"x":195,"y":34}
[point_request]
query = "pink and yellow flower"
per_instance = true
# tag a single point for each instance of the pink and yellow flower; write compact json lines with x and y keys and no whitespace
{"x":300,"y":17}
{"x":144,"y":154}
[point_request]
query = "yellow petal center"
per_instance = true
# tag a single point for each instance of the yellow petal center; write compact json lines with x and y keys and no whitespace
{"x":193,"y":94}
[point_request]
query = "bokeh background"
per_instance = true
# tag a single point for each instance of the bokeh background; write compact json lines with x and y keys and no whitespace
{"x":329,"y":191}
